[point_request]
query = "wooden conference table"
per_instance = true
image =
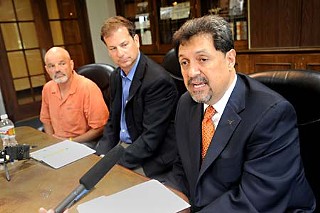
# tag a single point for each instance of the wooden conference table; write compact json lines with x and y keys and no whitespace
{"x":34,"y":185}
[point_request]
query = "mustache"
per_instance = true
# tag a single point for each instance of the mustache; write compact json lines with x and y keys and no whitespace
{"x":197,"y":79}
{"x":56,"y":75}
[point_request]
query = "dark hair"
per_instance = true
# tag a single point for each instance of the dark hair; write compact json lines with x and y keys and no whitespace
{"x":114,"y":23}
{"x":215,"y":25}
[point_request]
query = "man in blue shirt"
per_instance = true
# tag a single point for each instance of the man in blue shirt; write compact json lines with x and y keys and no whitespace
{"x":143,"y":101}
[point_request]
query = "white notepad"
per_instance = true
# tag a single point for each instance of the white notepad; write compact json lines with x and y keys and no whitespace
{"x":151,"y":196}
{"x":62,"y":153}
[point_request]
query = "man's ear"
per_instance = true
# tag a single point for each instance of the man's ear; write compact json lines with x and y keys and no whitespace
{"x":72,"y":64}
{"x":231,"y":58}
{"x":136,"y":39}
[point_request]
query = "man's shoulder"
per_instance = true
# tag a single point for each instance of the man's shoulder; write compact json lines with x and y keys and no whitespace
{"x":86,"y":84}
{"x":49,"y":85}
{"x":186,"y":99}
{"x":257,"y":88}
{"x":151,"y":63}
{"x":153,"y":69}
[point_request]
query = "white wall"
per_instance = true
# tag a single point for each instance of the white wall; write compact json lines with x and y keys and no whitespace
{"x":98,"y":11}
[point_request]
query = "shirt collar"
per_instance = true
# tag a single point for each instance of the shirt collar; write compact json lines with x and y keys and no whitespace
{"x":221,"y":104}
{"x":132,"y":71}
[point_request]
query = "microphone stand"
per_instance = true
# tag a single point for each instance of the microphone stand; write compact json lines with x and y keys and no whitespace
{"x":4,"y":159}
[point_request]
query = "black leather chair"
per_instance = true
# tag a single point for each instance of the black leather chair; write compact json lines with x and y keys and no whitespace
{"x":100,"y":74}
{"x":171,"y":64}
{"x":302,"y":89}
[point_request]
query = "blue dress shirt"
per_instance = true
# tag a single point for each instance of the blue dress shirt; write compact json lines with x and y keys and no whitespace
{"x":126,"y":83}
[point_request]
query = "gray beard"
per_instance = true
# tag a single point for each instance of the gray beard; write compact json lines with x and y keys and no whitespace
{"x":199,"y":98}
{"x":61,"y":80}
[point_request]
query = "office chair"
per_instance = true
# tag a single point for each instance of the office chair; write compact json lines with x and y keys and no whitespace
{"x":171,"y":64}
{"x":302,"y":89}
{"x":100,"y":74}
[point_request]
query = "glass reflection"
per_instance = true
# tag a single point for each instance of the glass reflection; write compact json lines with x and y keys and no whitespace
{"x":24,"y":10}
{"x":34,"y":61}
{"x":29,"y":35}
{"x":6,"y":11}
{"x":11,"y":36}
{"x":57,"y":35}
{"x":52,"y":9}
{"x":17,"y":64}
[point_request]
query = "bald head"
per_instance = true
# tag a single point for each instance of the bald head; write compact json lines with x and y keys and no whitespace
{"x":59,"y":64}
{"x":56,"y":51}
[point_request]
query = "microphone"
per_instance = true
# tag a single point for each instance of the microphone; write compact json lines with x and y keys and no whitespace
{"x":92,"y":177}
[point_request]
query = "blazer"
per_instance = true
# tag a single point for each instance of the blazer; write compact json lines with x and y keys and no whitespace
{"x":150,"y":112}
{"x":253,"y":163}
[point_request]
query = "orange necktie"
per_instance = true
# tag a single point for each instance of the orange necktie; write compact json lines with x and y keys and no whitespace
{"x":207,"y":130}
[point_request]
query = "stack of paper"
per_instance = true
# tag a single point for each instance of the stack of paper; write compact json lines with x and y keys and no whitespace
{"x":61,"y":154}
{"x":150,"y":196}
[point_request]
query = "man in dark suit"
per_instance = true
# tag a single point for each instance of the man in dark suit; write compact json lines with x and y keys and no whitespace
{"x":253,"y":162}
{"x":143,"y":103}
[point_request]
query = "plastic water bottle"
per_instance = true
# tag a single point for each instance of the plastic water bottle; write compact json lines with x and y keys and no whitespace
{"x":7,"y":131}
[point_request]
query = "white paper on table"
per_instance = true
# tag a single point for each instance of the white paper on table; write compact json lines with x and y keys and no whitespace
{"x":150,"y":196}
{"x":62,"y":153}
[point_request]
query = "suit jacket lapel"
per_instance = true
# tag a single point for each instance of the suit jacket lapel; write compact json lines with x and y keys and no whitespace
{"x":195,"y":136}
{"x":117,"y":88}
{"x":221,"y":137}
{"x":137,"y":78}
{"x":227,"y":124}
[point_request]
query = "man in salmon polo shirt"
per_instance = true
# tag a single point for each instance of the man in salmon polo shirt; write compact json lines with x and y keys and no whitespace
{"x":72,"y":106}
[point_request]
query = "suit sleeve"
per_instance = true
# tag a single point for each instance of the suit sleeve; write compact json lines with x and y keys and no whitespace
{"x":177,"y":177}
{"x":159,"y":102}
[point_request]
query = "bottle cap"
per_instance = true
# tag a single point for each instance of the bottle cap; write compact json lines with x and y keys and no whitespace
{"x":4,"y":116}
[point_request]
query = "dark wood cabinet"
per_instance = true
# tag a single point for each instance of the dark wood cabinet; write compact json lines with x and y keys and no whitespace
{"x":284,"y":24}
{"x":268,"y":35}
{"x":274,"y":23}
{"x":156,"y":21}
{"x":308,"y":61}
{"x":310,"y":21}
{"x":257,"y":61}
{"x":262,"y":62}
{"x":242,"y":63}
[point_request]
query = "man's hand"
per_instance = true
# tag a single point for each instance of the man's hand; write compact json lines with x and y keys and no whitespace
{"x":43,"y":210}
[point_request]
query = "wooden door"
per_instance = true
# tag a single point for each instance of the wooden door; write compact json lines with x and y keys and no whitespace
{"x":274,"y":23}
{"x":28,"y":28}
{"x":310,"y":21}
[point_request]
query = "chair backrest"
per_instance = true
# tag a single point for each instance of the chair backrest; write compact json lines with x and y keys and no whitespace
{"x":171,"y":64}
{"x":302,"y":89}
{"x":100,"y":74}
